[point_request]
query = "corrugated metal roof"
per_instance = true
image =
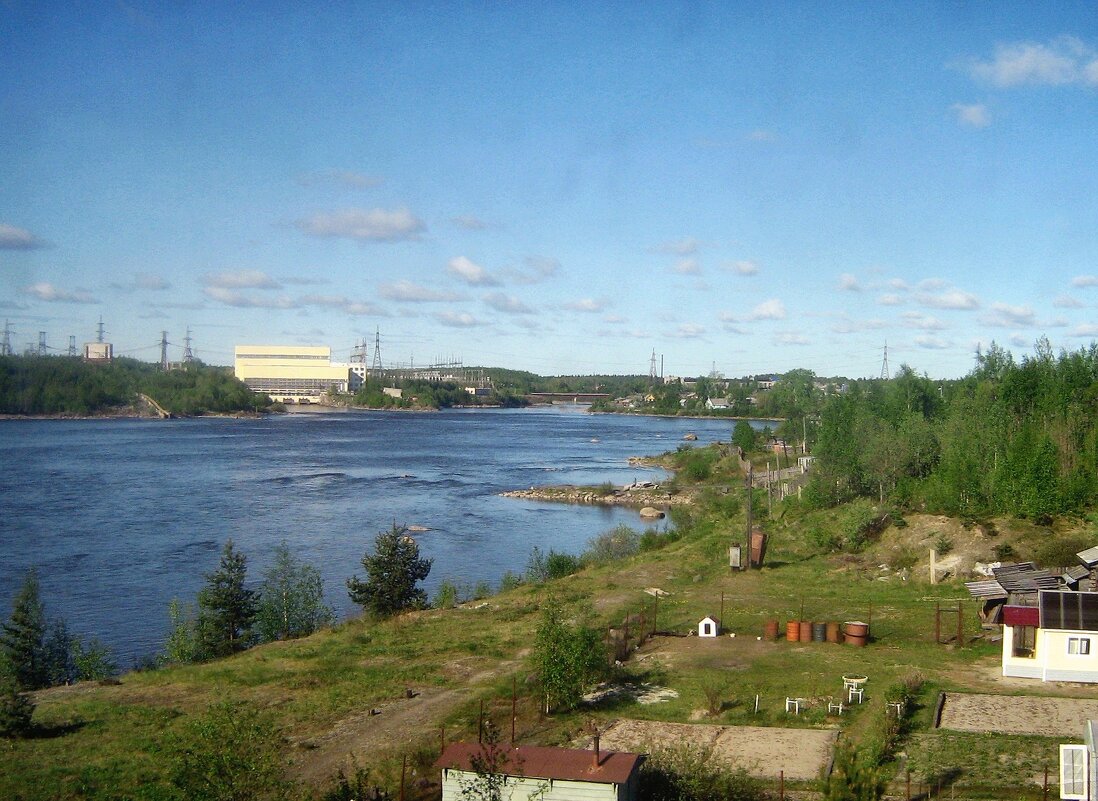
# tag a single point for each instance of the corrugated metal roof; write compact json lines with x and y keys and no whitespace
{"x":1089,"y":557}
{"x":988,"y":590}
{"x":539,"y":762}
{"x":1024,"y":577}
{"x":1073,"y":574}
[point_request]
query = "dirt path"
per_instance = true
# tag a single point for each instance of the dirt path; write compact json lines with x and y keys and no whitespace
{"x":359,"y":738}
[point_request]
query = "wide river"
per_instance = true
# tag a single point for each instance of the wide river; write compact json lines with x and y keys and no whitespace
{"x":121,"y":516}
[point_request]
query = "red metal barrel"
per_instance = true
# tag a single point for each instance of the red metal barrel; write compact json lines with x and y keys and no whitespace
{"x":770,"y":629}
{"x":833,"y":633}
{"x":793,"y":631}
{"x":806,"y":631}
{"x":857,"y":633}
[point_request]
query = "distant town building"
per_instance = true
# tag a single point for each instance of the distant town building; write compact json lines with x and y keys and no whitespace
{"x":291,"y":373}
{"x":98,"y":351}
{"x":717,"y":403}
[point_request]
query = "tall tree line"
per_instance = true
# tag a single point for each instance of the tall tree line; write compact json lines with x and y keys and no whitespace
{"x":1012,"y":437}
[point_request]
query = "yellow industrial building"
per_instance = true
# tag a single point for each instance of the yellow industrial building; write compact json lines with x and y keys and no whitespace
{"x":290,"y":373}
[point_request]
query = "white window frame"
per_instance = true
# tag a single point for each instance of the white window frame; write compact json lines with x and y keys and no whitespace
{"x":1074,"y":772}
{"x":1078,"y":646}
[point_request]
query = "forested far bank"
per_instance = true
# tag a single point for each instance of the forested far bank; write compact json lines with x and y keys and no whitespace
{"x":1014,"y":437}
{"x":54,"y":385}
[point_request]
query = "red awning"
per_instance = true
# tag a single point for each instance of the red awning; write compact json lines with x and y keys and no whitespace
{"x":1021,"y":615}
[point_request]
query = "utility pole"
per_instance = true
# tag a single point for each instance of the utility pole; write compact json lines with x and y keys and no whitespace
{"x":72,"y":346}
{"x":100,"y":336}
{"x":164,"y":351}
{"x":652,"y":367}
{"x":188,"y":355}
{"x":41,"y":343}
{"x":750,"y":509}
{"x":884,"y":364}
{"x":5,"y":346}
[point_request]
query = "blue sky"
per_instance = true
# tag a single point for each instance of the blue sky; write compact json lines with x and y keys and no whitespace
{"x":562,"y":188}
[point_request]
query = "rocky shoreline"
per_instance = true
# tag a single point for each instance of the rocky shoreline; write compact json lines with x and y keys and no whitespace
{"x":648,"y":496}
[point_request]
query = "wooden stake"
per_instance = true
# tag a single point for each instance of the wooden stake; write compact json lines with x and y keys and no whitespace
{"x":720,"y":620}
{"x":403,"y":769}
{"x":514,"y":706}
{"x":480,"y":724}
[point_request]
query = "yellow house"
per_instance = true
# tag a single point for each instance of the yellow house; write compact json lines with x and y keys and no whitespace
{"x":290,"y":373}
{"x":1057,"y":640}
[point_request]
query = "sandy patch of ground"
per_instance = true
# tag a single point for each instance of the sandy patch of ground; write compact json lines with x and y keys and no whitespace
{"x":1009,"y":714}
{"x":641,"y":693}
{"x":765,"y":752}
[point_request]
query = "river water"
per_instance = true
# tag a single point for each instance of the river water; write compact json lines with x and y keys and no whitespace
{"x":121,"y":516}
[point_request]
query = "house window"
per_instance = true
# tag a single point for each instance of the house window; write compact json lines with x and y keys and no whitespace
{"x":1079,"y":645}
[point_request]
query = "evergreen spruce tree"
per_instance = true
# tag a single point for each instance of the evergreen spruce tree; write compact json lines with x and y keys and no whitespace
{"x":226,"y":607}
{"x":16,"y":708}
{"x":23,"y":641}
{"x":392,"y":572}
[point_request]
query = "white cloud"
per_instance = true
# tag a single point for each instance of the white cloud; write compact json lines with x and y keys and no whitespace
{"x":14,"y":238}
{"x":923,"y":322}
{"x":848,"y":283}
{"x":457,"y":319}
{"x":1067,"y":302}
{"x":687,"y":267}
{"x":689,"y":331}
{"x":1005,"y":316}
{"x":931,"y":343}
{"x":589,"y":305}
{"x":1018,"y":341}
{"x":743,"y":267}
{"x":899,"y":284}
{"x":348,"y":179}
{"x":409,"y":292}
{"x":470,"y":272}
{"x":1085,"y":330}
{"x":931,"y":284}
{"x":1084,"y":281}
{"x":146,"y":281}
{"x":508,"y":304}
{"x":233,"y":297}
{"x":679,"y":247}
{"x":373,"y":225}
{"x":470,"y":222}
{"x":954,"y":299}
{"x":846,"y":325}
{"x":772,"y":309}
{"x":1063,"y":61}
{"x":240,"y":279}
{"x":973,"y":115}
{"x":791,"y":338}
{"x":614,"y":319}
{"x":535,"y":269}
{"x":356,"y":308}
{"x":52,"y":294}
{"x":890,"y":299}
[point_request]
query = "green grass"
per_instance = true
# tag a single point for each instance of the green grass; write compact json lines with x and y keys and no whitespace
{"x":105,"y":742}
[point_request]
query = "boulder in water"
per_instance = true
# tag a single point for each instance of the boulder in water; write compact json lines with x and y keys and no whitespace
{"x":651,"y":513}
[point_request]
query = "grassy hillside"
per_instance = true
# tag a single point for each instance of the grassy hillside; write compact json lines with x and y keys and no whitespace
{"x":379,"y":692}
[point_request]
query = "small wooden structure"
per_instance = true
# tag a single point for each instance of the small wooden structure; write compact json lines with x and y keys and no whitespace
{"x":708,"y":627}
{"x":544,"y":773}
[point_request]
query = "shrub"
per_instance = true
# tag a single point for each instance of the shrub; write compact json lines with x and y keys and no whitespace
{"x":690,"y":774}
{"x":559,"y":565}
{"x":1003,"y":551}
{"x":943,"y":543}
{"x":446,"y":596}
{"x":859,"y":525}
{"x":617,"y":543}
{"x":509,"y":581}
{"x":1059,"y":552}
{"x":652,"y":540}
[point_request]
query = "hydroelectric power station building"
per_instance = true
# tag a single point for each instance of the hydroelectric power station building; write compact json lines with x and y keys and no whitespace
{"x":291,"y":373}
